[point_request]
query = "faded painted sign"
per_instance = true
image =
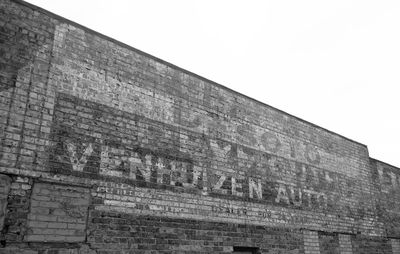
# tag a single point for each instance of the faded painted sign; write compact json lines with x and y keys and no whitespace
{"x":94,"y":139}
{"x":125,"y":198}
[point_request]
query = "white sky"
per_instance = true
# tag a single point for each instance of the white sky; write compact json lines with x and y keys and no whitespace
{"x":333,"y":63}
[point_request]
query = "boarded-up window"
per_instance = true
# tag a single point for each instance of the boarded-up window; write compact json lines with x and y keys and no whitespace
{"x":58,"y":213}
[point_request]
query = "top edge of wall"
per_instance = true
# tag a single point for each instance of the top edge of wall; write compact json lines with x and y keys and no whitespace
{"x":387,"y":164}
{"x":60,"y":18}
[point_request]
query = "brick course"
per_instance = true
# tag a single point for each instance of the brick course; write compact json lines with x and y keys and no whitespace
{"x":106,"y":149}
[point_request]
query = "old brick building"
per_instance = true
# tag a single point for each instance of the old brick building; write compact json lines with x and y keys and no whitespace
{"x":106,"y":149}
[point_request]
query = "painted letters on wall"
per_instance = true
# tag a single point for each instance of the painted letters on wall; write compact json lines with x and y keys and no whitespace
{"x":93,"y":139}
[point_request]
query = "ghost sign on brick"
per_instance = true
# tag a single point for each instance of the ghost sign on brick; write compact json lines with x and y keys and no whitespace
{"x":119,"y":145}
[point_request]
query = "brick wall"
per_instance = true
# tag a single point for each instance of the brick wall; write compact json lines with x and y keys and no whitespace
{"x":106,"y":149}
{"x":362,"y":244}
{"x":110,"y":231}
{"x":329,"y":243}
{"x":387,"y":183}
{"x":345,"y":244}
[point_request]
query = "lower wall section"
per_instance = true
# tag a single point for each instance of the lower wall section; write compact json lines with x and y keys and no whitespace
{"x":58,"y":213}
{"x":311,"y":242}
{"x":112,"y":231}
{"x":345,"y":244}
{"x":395,"y":245}
{"x":40,"y":216}
{"x":329,"y":243}
{"x":370,"y":245}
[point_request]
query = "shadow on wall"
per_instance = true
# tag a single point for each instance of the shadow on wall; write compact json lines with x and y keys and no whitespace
{"x":26,"y":40}
{"x":17,"y":50}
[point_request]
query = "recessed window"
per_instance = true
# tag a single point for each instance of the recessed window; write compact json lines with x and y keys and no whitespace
{"x":245,"y":250}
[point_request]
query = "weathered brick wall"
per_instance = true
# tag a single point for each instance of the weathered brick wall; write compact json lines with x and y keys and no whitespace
{"x":17,"y":203}
{"x":26,"y":39}
{"x":387,"y":184}
{"x":121,"y":115}
{"x":105,"y":149}
{"x":371,"y":245}
{"x":329,"y":243}
{"x":110,"y":231}
{"x":345,"y":244}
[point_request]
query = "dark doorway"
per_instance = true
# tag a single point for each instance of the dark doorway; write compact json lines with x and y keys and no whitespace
{"x":245,"y":250}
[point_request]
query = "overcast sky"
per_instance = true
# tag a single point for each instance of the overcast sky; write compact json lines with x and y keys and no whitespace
{"x":333,"y":63}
